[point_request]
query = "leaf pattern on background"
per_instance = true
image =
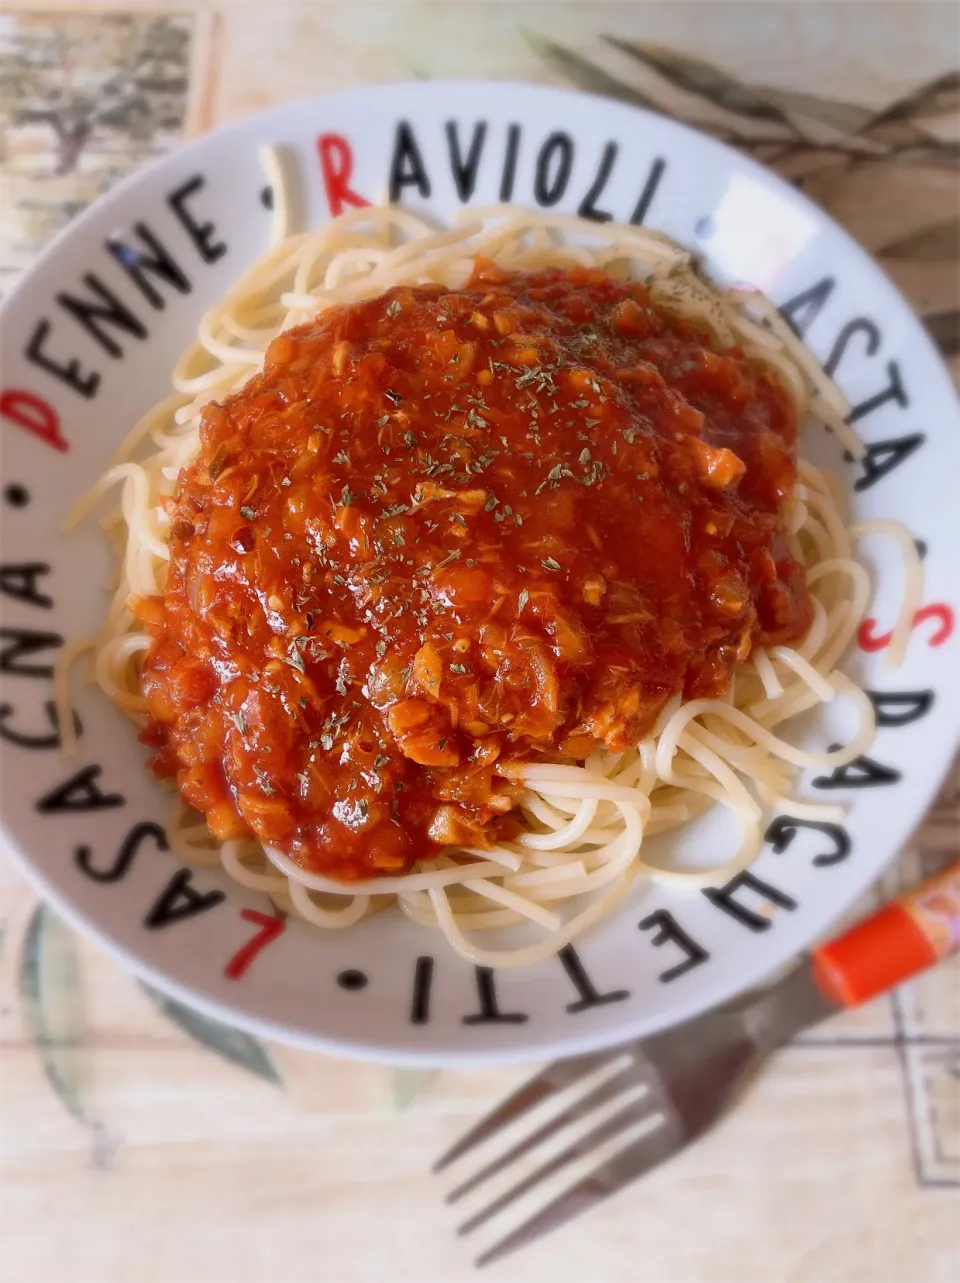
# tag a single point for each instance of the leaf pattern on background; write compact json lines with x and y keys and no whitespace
{"x":584,"y":73}
{"x":805,"y":117}
{"x":937,"y":97}
{"x":848,"y":126}
{"x":929,"y":244}
{"x":231,"y":1044}
{"x":896,"y":135}
{"x":703,"y":79}
{"x":410,"y":1084}
{"x":845,"y":117}
{"x":944,"y":329}
{"x":908,"y":143}
{"x":52,"y":1002}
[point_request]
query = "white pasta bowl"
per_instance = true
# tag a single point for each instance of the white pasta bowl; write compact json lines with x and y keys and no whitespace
{"x":89,"y":339}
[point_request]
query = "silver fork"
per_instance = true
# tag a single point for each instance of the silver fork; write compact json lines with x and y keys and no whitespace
{"x":690,"y":1074}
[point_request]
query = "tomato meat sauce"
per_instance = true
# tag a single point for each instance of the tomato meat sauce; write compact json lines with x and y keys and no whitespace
{"x":446,"y":530}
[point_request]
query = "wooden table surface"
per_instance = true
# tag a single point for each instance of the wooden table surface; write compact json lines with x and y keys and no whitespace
{"x":141,"y":1144}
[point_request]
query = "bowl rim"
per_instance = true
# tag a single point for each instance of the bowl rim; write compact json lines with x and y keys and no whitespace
{"x":551,"y":1045}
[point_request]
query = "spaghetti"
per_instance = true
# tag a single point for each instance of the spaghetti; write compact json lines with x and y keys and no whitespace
{"x":573,"y":842}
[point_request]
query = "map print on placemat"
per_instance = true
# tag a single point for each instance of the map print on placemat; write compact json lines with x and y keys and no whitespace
{"x":920,"y":1020}
{"x":84,"y":100}
{"x":927,"y":1014}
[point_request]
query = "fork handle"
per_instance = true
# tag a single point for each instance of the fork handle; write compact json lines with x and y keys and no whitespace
{"x":906,"y":936}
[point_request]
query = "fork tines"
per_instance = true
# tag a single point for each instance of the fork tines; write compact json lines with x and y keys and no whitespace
{"x":600,"y":1102}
